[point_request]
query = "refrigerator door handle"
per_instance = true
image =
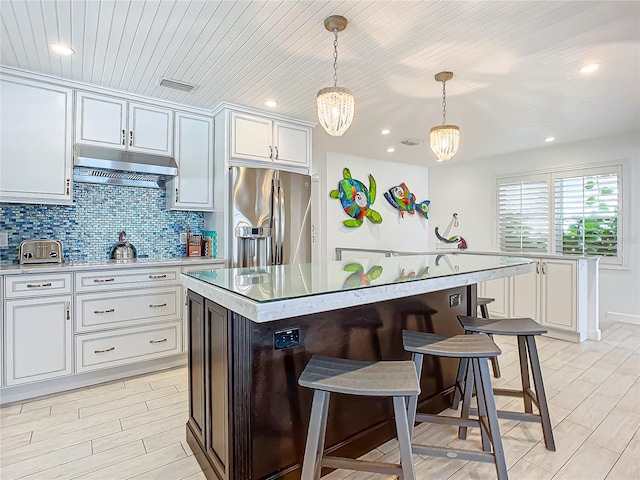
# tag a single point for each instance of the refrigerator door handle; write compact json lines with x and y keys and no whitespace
{"x":281,"y":224}
{"x":274,"y":224}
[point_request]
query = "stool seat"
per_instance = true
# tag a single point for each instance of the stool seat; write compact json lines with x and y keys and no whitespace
{"x":458,"y":346}
{"x":484,"y":301}
{"x":353,"y":377}
{"x":503,"y":326}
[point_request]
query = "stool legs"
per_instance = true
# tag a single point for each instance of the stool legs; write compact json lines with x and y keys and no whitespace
{"x":486,"y":391}
{"x":541,"y":395}
{"x":312,"y":463}
{"x":404,"y":436}
{"x":524,"y":374}
{"x":413,"y":400}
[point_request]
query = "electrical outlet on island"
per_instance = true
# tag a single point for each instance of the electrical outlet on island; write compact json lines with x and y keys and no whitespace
{"x":183,"y":238}
{"x":4,"y":239}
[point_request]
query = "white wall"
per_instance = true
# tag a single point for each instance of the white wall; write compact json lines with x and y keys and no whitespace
{"x":408,"y":233}
{"x":468,"y":189}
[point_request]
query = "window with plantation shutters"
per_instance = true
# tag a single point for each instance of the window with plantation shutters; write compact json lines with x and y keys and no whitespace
{"x":586,"y":214}
{"x":576,"y":212}
{"x":523,"y":215}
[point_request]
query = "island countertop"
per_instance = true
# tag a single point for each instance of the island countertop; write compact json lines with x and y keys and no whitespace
{"x":276,"y":292}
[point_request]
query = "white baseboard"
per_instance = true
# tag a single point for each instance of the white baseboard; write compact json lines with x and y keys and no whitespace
{"x":623,"y":318}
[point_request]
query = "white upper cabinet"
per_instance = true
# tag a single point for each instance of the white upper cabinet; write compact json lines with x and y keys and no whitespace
{"x":116,"y":123}
{"x":35,"y":141}
{"x":192,"y":189}
{"x":261,"y":139}
{"x":292,"y":144}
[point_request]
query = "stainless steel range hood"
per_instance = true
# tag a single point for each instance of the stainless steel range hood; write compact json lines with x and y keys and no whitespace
{"x":118,"y":167}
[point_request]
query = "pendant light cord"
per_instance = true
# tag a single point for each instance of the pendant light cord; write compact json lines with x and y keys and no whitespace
{"x":335,"y":57}
{"x":444,"y":102}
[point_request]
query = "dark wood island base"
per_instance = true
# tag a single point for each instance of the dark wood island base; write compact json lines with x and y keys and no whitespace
{"x":248,"y":417}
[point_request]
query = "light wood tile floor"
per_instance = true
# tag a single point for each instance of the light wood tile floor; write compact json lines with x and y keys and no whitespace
{"x":134,"y":428}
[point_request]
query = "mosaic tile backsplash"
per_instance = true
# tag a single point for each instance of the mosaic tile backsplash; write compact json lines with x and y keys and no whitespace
{"x":90,"y":227}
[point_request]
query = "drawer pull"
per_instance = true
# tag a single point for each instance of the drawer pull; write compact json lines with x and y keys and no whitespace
{"x":104,"y":351}
{"x":158,"y":341}
{"x":154,"y":277}
{"x":99,"y":280}
{"x":157,"y":305}
{"x":111,"y":310}
{"x":39,"y":285}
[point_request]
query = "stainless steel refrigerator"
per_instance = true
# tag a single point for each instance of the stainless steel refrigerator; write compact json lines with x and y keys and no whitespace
{"x":270,"y":215}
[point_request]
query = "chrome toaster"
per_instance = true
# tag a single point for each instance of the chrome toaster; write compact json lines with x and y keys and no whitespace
{"x":40,"y":251}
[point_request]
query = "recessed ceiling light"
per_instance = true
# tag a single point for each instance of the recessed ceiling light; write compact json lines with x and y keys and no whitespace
{"x":61,"y":49}
{"x":549,"y":139}
{"x":271,"y":103}
{"x":391,"y":149}
{"x":386,"y":131}
{"x":589,"y":68}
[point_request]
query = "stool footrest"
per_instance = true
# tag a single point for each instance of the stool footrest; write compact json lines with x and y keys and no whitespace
{"x":453,"y":453}
{"x":509,"y":415}
{"x":517,"y":393}
{"x":361,"y":465}
{"x":443,"y":420}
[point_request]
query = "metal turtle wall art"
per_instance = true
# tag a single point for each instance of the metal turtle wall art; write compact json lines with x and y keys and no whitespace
{"x":356,"y":199}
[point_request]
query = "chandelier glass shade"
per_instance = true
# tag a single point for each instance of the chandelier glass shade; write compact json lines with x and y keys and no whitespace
{"x":444,"y":139}
{"x":336,"y":105}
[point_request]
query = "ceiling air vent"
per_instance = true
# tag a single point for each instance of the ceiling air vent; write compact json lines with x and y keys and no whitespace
{"x":177,"y":85}
{"x":412,"y":142}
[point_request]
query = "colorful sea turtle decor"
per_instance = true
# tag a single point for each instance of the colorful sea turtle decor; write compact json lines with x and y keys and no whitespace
{"x":400,"y":198}
{"x":356,"y":199}
{"x":358,"y":278}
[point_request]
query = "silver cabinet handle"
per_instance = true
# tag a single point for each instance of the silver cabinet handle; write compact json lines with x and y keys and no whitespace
{"x":158,"y":341}
{"x":277,"y":154}
{"x":537,"y":267}
{"x":157,"y":305}
{"x":154,"y":277}
{"x":543,"y":272}
{"x":68,"y":307}
{"x":111,"y":310}
{"x":123,"y":136}
{"x":38,"y":285}
{"x":104,"y":351}
{"x":177,"y":196}
{"x":270,"y":152}
{"x":131,"y":138}
{"x":99,"y":280}
{"x":68,"y":185}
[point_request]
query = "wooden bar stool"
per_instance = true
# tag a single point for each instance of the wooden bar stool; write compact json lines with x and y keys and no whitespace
{"x":475,"y":350}
{"x":482,"y":303}
{"x":326,"y":375}
{"x":526,"y":330}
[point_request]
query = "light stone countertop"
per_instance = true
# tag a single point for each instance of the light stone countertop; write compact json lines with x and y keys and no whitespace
{"x":70,"y":266}
{"x":275,"y":292}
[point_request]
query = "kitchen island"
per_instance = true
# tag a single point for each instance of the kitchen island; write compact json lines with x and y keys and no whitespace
{"x":252,"y":331}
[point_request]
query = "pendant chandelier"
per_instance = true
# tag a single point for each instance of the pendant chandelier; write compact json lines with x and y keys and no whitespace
{"x":335,"y":104}
{"x":444,"y":138}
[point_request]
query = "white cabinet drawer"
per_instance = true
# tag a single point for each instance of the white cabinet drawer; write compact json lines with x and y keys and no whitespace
{"x":101,"y":311}
{"x":132,"y":277}
{"x":110,"y":349}
{"x":19,"y":286}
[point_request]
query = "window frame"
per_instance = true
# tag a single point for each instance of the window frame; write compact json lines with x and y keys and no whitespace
{"x":551,"y":176}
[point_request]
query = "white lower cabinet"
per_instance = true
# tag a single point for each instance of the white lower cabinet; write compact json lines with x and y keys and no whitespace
{"x":560,"y":294}
{"x":38,"y":339}
{"x":119,"y":347}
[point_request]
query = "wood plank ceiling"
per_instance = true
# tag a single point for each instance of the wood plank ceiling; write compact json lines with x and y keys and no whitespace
{"x":515,"y":63}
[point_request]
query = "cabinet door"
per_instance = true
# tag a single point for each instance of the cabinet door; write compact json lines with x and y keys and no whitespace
{"x":525,"y":294}
{"x":35,"y":142}
{"x":38,"y":339}
{"x":196,"y":353}
{"x":101,"y":120}
{"x":192,"y":189}
{"x":559,"y":295}
{"x":292,"y":143}
{"x":251,"y":137}
{"x":150,"y":129}
{"x":497,"y":289}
